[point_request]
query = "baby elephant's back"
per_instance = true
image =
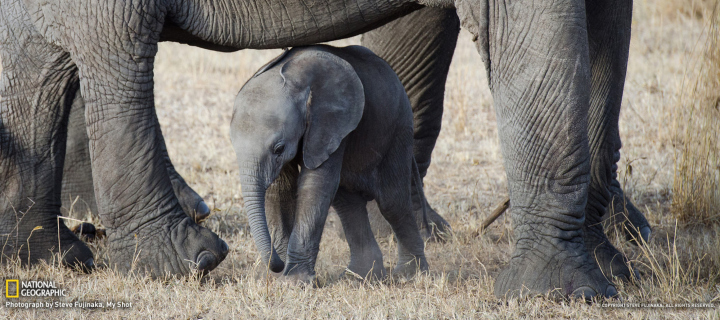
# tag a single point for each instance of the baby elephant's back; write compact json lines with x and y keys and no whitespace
{"x":387,"y":108}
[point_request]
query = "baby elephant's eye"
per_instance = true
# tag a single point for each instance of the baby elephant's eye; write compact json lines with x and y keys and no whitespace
{"x":279,"y":148}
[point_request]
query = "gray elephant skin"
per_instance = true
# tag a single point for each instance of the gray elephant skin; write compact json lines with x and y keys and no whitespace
{"x":556,"y":71}
{"x":322,"y":126}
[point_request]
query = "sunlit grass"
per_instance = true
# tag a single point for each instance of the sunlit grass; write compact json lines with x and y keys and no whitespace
{"x":696,"y":188}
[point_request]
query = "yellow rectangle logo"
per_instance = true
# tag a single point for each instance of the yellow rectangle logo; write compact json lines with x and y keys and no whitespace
{"x":7,"y":288}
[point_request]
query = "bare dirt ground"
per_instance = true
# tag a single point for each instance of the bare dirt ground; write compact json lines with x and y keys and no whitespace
{"x":194,"y":96}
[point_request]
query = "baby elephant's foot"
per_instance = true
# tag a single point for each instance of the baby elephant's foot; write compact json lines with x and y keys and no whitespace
{"x":560,"y":274}
{"x":367,"y":270}
{"x":297,"y":280}
{"x":408,"y":266}
{"x":366,"y":260}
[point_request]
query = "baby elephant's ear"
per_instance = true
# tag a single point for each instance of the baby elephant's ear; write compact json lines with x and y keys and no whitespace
{"x":334,"y":105}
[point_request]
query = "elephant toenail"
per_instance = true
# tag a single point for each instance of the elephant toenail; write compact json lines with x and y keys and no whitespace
{"x":87,"y":266}
{"x":645,"y":233}
{"x":584,"y":292}
{"x":205,"y":261}
{"x":202,"y":211}
{"x":611,"y":292}
{"x":224,"y":249}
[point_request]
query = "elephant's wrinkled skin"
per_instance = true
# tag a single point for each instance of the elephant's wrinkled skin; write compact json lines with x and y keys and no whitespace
{"x":556,"y":71}
{"x":419,"y":47}
{"x":342,"y":116}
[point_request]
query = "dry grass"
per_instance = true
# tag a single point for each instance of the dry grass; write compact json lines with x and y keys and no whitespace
{"x":696,"y":188}
{"x":194,"y":94}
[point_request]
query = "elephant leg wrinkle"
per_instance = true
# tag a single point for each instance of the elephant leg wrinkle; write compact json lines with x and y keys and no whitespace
{"x":148,"y":230}
{"x":609,"y":24}
{"x":32,"y":145}
{"x":541,"y":97}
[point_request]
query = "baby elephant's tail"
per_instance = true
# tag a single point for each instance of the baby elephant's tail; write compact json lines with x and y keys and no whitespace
{"x":420,"y":193}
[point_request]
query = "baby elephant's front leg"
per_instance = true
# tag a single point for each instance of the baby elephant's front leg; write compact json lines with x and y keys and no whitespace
{"x":316,"y":189}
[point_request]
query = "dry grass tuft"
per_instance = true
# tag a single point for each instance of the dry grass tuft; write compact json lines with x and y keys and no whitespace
{"x":696,"y":187}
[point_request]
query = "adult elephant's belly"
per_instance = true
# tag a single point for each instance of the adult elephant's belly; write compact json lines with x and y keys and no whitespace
{"x":173,"y":33}
{"x":278,"y":24}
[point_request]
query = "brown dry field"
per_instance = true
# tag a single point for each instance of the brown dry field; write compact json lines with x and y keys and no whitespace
{"x":194,"y":94}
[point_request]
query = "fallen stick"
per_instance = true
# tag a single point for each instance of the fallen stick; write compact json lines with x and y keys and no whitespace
{"x":502,"y":207}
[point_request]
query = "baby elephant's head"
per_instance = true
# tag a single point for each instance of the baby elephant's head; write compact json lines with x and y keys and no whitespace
{"x":304,"y":99}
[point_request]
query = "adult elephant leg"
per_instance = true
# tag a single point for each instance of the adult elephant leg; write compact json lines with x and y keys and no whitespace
{"x":148,"y":230}
{"x":192,"y":203}
{"x":39,"y":82}
{"x":77,"y":185}
{"x":419,"y":47}
{"x":539,"y":70}
{"x":608,"y":24}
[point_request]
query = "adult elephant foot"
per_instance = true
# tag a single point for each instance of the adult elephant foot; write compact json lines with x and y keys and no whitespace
{"x":37,"y":237}
{"x":166,"y":247}
{"x":192,"y":203}
{"x":622,"y":214}
{"x":612,"y":262}
{"x":569,"y":272}
{"x":148,"y":230}
{"x":88,"y":232}
{"x":74,"y":253}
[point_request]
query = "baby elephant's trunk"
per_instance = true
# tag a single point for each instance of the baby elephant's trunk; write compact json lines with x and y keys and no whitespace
{"x":254,"y":196}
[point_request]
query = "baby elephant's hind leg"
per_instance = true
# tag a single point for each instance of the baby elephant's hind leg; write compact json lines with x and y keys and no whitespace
{"x":366,"y":258}
{"x":395,"y":203}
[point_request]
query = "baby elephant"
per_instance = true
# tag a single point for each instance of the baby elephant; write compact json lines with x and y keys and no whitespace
{"x":321,"y":126}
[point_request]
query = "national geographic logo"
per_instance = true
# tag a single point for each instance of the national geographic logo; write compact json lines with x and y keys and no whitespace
{"x":14,"y":288}
{"x":15,"y":284}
